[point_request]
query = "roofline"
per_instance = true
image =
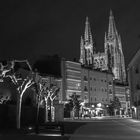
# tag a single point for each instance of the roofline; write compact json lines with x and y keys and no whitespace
{"x":74,"y":62}
{"x":134,"y":58}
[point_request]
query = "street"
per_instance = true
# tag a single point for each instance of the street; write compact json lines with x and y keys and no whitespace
{"x":108,"y":129}
{"x":86,"y":129}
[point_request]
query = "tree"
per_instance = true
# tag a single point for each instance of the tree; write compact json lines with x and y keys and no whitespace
{"x":49,"y":95}
{"x":21,"y":83}
{"x":41,"y":90}
{"x":74,"y":104}
{"x":115,"y":105}
{"x":46,"y":92}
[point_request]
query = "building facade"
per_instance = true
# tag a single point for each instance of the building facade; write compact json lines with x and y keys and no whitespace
{"x":71,"y":75}
{"x":97,"y":87}
{"x":134,"y":85}
{"x":120,"y":93}
{"x":92,"y":86}
{"x":112,"y":59}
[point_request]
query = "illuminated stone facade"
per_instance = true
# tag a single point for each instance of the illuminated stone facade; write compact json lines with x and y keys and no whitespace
{"x":92,"y":86}
{"x":120,"y":93}
{"x":71,"y":79}
{"x":112,"y":59}
{"x":97,"y":86}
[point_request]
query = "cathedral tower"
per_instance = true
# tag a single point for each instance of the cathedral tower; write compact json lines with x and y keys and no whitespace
{"x":86,"y":46}
{"x":113,"y":49}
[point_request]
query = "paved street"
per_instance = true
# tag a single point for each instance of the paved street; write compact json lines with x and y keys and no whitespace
{"x":95,"y":129}
{"x":108,"y":129}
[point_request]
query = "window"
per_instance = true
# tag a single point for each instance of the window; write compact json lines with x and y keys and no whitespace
{"x":85,"y":89}
{"x":90,"y":78}
{"x":95,"y":89}
{"x":137,"y":70}
{"x":138,"y":87}
{"x":90,"y":88}
{"x":85,"y":78}
{"x":94,"y":79}
{"x":102,"y":89}
{"x":91,"y":99}
{"x":110,"y":83}
{"x":110,"y":91}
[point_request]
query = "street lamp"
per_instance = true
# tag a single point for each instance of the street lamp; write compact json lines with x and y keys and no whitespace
{"x":99,"y":104}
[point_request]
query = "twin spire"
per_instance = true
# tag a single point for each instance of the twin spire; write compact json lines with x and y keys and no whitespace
{"x":112,"y":31}
{"x":113,"y":54}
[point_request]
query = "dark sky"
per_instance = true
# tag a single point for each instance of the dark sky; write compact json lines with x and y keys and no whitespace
{"x":30,"y":28}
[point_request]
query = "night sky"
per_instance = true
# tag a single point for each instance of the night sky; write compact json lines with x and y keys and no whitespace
{"x":31,"y":28}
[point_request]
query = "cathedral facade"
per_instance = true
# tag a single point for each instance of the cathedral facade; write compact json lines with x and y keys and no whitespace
{"x":112,"y":59}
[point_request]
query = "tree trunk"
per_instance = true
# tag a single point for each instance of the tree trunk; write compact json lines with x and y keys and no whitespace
{"x":78,"y":113}
{"x":50,"y":111}
{"x":37,"y":115}
{"x":46,"y":113}
{"x":18,"y":116}
{"x":73,"y":114}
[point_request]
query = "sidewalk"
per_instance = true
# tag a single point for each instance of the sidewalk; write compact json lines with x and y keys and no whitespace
{"x":95,"y":118}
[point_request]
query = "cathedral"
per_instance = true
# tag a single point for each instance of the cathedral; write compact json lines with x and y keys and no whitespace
{"x":112,"y":59}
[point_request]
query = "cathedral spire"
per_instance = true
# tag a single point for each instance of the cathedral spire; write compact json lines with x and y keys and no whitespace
{"x":105,"y":40}
{"x":82,"y":52}
{"x":114,"y":51}
{"x":112,"y":28}
{"x":88,"y":35}
{"x":105,"y":37}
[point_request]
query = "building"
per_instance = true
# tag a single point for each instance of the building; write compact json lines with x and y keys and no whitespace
{"x":97,"y":88}
{"x":71,"y":78}
{"x":112,"y":59}
{"x":120,"y":93}
{"x":128,"y":107}
{"x":134,"y":84}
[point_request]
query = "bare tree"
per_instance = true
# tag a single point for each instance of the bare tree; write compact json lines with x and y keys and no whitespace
{"x":52,"y":91}
{"x":22,"y":84}
{"x":46,"y":92}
